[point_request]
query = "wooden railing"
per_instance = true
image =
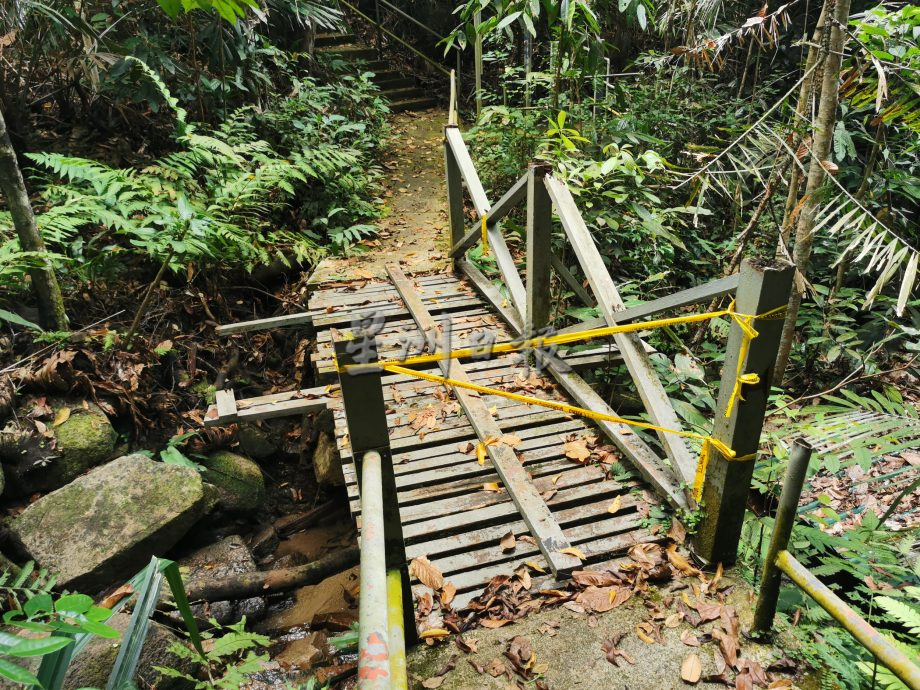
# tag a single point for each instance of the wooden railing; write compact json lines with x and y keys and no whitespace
{"x":757,"y":289}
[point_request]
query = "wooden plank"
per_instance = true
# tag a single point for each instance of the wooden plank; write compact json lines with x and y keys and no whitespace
{"x":454,"y":190}
{"x":508,"y":269}
{"x":637,"y":452}
{"x":694,"y":295}
{"x":263,"y":324}
{"x":226,"y":404}
{"x":637,"y":362}
{"x":467,"y":172}
{"x":533,"y":510}
{"x":502,"y":208}
{"x":539,"y":240}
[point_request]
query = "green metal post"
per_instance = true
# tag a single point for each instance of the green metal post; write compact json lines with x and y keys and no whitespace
{"x":782,"y":529}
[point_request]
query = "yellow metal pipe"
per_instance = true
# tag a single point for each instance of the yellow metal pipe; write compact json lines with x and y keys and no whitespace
{"x":870,"y":638}
{"x":399,"y":676}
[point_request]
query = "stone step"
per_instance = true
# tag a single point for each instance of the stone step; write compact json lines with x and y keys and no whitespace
{"x":413,"y":104}
{"x":350,"y":52}
{"x":390,"y":83}
{"x":332,"y":39}
{"x":403,"y":94}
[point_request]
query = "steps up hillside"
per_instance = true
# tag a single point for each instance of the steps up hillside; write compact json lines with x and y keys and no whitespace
{"x":402,"y":91}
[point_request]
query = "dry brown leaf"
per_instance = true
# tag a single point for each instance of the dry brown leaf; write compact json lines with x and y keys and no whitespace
{"x":466,"y":448}
{"x":433,"y":634}
{"x":689,"y":639}
{"x":426,"y":572}
{"x":448,"y":592}
{"x":508,"y":542}
{"x":63,"y":414}
{"x":673,"y":620}
{"x":615,"y":506}
{"x":691,"y":670}
{"x":597,"y":578}
{"x":116,"y":596}
{"x":680,"y":561}
{"x":493,"y":622}
{"x":491,"y":486}
{"x":577,"y":450}
{"x":534,"y":566}
{"x":642,"y":635}
{"x":510,"y":440}
{"x":574,"y":551}
{"x":433,"y":682}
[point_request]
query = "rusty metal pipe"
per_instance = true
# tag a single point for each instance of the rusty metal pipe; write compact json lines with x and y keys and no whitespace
{"x":786,"y":514}
{"x":373,"y":630}
{"x":870,"y":638}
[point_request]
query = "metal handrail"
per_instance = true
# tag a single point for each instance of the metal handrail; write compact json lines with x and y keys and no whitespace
{"x":389,"y":33}
{"x":413,"y":20}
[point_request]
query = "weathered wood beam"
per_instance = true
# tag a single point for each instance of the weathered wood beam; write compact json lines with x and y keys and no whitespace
{"x":534,"y":511}
{"x":454,"y":184}
{"x":508,"y":269}
{"x":301,"y":319}
{"x":289,"y":403}
{"x":572,"y":282}
{"x":467,"y":170}
{"x":637,"y":452}
{"x":491,"y":293}
{"x":648,"y":385}
{"x":694,"y":295}
{"x":539,"y":251}
{"x":728,"y":481}
{"x":502,"y":208}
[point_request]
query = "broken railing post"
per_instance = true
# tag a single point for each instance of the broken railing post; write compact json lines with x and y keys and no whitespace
{"x":782,"y":530}
{"x":762,"y":288}
{"x":539,"y":251}
{"x":454,"y":192}
{"x":365,"y":413}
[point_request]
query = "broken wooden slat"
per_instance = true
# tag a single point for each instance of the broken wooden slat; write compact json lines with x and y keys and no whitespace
{"x":227,"y":409}
{"x":637,"y":362}
{"x":264,"y":324}
{"x":528,"y":501}
{"x":485,"y":286}
{"x":467,"y":171}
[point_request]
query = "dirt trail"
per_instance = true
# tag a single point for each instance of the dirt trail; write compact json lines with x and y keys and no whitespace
{"x":413,"y":229}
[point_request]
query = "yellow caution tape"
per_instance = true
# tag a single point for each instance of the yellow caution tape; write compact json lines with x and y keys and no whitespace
{"x":485,"y":235}
{"x":744,"y":321}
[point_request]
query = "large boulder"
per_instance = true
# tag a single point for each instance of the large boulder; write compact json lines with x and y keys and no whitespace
{"x":105,"y":525}
{"x":238,"y":479}
{"x":223,"y":559}
{"x":327,"y":465}
{"x":45,"y":454}
{"x":91,"y":668}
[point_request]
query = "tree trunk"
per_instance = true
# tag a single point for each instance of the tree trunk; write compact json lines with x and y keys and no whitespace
{"x":806,"y":96}
{"x":821,"y":146}
{"x":47,"y":290}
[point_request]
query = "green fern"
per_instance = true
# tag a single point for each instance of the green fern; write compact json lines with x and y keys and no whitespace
{"x":19,"y":587}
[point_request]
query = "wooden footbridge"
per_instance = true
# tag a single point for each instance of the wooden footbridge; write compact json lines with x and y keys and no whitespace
{"x":455,"y":470}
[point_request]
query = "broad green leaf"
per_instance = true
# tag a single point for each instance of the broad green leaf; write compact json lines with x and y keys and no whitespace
{"x":38,"y":646}
{"x":17,"y":674}
{"x":18,"y":320}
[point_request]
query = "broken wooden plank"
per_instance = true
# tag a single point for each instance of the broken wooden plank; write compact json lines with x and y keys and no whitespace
{"x":467,"y":170}
{"x":533,"y":510}
{"x":301,"y":319}
{"x":227,"y":409}
{"x":485,"y":286}
{"x":649,"y":387}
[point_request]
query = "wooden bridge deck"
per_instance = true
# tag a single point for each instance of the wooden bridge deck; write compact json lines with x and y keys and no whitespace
{"x":453,"y":509}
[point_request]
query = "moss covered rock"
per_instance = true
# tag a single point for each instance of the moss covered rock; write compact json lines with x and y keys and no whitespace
{"x":104,"y":526}
{"x":77,"y":438}
{"x":238,"y":480}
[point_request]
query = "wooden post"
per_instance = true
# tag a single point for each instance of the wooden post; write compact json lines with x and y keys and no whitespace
{"x":539,"y":252}
{"x":727,"y":482}
{"x":454,"y":191}
{"x":365,"y":413}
